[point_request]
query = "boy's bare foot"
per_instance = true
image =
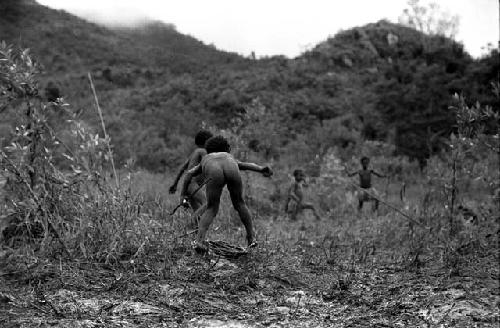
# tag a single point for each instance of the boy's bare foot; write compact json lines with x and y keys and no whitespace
{"x":200,"y":248}
{"x":253,"y":244}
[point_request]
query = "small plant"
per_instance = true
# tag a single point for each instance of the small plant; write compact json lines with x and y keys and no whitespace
{"x":474,"y":150}
{"x":34,"y":181}
{"x":470,"y":164}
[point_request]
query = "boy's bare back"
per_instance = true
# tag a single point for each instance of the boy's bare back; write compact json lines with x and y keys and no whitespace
{"x":196,"y":157}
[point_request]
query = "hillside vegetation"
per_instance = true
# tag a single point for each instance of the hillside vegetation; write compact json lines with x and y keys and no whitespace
{"x":381,"y":81}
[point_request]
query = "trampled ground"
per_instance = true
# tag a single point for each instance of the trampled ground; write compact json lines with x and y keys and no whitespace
{"x":300,"y":276}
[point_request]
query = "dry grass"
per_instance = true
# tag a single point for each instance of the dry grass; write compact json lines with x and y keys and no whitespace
{"x":349,"y":269}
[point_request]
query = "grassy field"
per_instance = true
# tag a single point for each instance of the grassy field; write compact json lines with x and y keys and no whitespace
{"x":348,"y":270}
{"x":82,"y":248}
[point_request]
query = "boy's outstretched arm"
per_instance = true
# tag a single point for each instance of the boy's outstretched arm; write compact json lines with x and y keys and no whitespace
{"x":351,"y":174}
{"x":378,"y":174}
{"x":187,"y":180}
{"x":173,"y":187}
{"x":265,"y":170}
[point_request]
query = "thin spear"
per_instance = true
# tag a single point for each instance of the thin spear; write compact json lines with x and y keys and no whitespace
{"x":110,"y":153}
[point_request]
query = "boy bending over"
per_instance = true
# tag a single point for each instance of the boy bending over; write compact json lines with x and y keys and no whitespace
{"x":220,"y":169}
{"x":195,"y":200}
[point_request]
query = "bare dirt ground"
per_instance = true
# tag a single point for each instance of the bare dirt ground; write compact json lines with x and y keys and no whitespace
{"x":291,"y":280}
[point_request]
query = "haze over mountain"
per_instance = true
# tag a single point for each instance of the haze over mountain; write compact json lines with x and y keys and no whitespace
{"x":284,"y":27}
{"x":62,"y":40}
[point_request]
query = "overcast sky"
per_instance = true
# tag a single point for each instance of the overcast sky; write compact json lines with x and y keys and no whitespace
{"x":281,"y":27}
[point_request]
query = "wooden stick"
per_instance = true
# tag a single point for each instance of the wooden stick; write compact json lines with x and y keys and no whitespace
{"x":110,"y":153}
{"x":446,"y":243}
{"x":387,"y":204}
{"x":191,"y":195}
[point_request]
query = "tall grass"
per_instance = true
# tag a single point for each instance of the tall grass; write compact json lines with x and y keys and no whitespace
{"x":63,"y":202}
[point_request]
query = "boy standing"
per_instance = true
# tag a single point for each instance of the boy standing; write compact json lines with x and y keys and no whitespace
{"x":365,"y":182}
{"x":296,"y":194}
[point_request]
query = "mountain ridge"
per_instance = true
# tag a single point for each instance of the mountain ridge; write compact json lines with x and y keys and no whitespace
{"x":51,"y":34}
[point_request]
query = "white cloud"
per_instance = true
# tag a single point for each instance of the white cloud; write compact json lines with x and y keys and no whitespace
{"x":271,"y":27}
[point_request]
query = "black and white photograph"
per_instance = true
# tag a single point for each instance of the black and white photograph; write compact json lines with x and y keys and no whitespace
{"x":249,"y":164}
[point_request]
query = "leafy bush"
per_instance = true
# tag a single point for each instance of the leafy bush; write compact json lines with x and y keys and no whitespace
{"x":59,"y":191}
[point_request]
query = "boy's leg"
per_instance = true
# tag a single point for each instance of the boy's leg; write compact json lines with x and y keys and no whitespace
{"x":195,"y":218}
{"x":311,"y":207}
{"x":298,"y":209}
{"x":360,"y":202}
{"x":374,"y":198}
{"x":198,"y":199}
{"x":235,"y":187}
{"x":362,"y":197}
{"x":213,"y":191}
{"x":375,"y":204}
{"x":295,"y":211}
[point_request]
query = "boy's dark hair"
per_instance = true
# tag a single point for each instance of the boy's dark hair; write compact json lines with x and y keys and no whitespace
{"x":297,"y":172}
{"x":364,"y":159}
{"x":217,"y":144}
{"x":201,"y":137}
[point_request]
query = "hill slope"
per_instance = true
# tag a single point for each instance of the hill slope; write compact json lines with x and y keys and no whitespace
{"x":381,"y":81}
{"x":64,"y":42}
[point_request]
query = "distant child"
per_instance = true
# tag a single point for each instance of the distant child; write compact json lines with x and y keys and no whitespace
{"x":365,"y":182}
{"x":296,"y":194}
{"x":198,"y":199}
{"x":221,"y":169}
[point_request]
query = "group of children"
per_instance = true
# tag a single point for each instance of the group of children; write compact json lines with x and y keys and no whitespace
{"x":366,"y":193}
{"x":211,"y":165}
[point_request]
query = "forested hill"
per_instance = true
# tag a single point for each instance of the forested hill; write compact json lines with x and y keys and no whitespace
{"x":65,"y":43}
{"x":381,"y":81}
{"x":398,"y":82}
